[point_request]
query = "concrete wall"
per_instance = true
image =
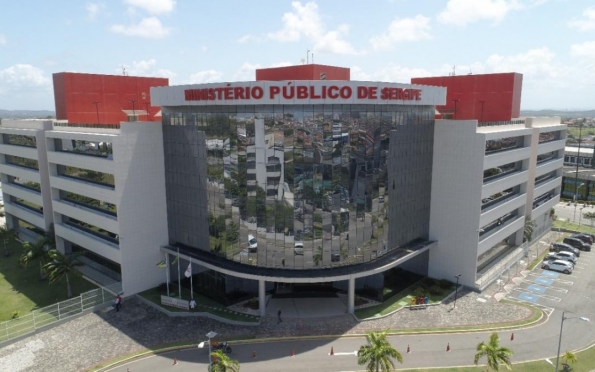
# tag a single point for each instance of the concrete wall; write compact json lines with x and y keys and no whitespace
{"x":456,"y":200}
{"x":142,"y":216}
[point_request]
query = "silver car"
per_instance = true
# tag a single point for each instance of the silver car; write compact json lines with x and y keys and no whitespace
{"x":566,"y":256}
{"x":558,"y":265}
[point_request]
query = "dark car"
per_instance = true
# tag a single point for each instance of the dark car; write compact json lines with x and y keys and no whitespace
{"x":577,"y":243}
{"x":583,"y":237}
{"x":561,"y":247}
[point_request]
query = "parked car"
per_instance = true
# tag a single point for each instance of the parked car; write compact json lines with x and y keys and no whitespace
{"x":558,"y":265}
{"x":583,"y":237}
{"x":577,"y":243}
{"x":298,"y":249}
{"x":561,"y":247}
{"x":565,"y":256}
{"x":252,"y":243}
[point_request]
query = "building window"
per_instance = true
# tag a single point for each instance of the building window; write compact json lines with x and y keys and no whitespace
{"x":587,"y":161}
{"x":91,"y":229}
{"x":22,"y":162}
{"x":90,"y":203}
{"x":90,"y":148}
{"x":34,"y":186}
{"x":19,"y":140}
{"x":99,"y":178}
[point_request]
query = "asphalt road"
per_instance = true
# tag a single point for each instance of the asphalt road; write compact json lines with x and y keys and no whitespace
{"x":536,"y":342}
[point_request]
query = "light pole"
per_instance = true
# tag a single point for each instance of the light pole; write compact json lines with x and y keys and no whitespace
{"x":481,"y":117}
{"x":456,"y":290}
{"x":580,"y":217}
{"x":96,"y":103}
{"x":561,"y":328}
{"x":133,"y":111}
{"x":576,"y":200}
{"x":209,"y":335}
{"x":455,"y":101}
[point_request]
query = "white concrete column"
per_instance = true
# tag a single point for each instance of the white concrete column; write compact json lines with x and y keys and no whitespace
{"x":261,"y":298}
{"x":351,"y":296}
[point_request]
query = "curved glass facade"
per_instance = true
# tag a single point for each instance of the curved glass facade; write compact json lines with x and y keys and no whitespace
{"x":298,"y":187}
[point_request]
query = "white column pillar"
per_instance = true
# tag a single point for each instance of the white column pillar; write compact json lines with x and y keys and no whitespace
{"x":261,"y":298}
{"x":351,"y":296}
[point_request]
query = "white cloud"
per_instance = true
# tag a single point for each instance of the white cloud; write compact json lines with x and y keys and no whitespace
{"x":462,"y":12}
{"x":584,"y":50}
{"x":153,"y":6}
{"x":246,"y":72}
{"x":246,"y":38}
{"x":403,"y":30}
{"x":587,"y":22}
{"x":93,"y":10}
{"x":207,"y":76}
{"x":2,"y":39}
{"x":535,"y":63}
{"x":146,"y":68}
{"x":150,"y":28}
{"x":23,"y":78}
{"x":304,"y":21}
{"x":390,"y":73}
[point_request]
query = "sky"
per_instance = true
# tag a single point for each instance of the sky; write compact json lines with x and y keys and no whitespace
{"x":550,"y":42}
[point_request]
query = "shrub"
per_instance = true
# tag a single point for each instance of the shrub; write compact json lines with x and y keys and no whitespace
{"x":15,"y":314}
{"x":444,"y":283}
{"x":419,"y":291}
{"x":435,"y":289}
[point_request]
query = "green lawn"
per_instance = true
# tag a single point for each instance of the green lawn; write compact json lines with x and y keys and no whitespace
{"x":573,"y":226}
{"x":203,"y":304}
{"x":398,"y":301}
{"x":20,"y":289}
{"x":586,"y":363}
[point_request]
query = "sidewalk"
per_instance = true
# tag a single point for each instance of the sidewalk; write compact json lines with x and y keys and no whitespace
{"x":97,"y":337}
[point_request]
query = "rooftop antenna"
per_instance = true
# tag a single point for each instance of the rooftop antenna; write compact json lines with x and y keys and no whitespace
{"x":454,"y":70}
{"x":470,"y":72}
{"x":303,"y":61}
{"x":308,"y":56}
{"x":312,"y":58}
{"x":123,"y":70}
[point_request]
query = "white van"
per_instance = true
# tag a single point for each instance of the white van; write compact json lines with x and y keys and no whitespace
{"x":252,"y":244}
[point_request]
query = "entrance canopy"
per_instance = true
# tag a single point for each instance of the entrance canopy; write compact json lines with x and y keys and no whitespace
{"x":329,"y":274}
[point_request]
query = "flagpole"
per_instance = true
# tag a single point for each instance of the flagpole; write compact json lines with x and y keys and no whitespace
{"x":191,"y":287}
{"x":167,"y":272}
{"x":179,"y":281}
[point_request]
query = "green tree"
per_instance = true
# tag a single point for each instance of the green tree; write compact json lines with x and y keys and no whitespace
{"x":568,"y":357}
{"x":378,"y":354}
{"x":61,"y":266}
{"x":7,"y":234}
{"x":495,"y":353}
{"x":223,"y":363}
{"x":35,"y":251}
{"x":528,"y":229}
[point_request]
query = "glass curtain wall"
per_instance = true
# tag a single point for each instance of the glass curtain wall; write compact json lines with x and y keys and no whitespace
{"x":294,"y":187}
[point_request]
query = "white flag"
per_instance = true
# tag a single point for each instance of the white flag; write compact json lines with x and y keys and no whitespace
{"x":188,"y":272}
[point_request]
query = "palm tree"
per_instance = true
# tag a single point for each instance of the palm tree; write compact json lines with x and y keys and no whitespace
{"x":223,"y":363}
{"x":61,"y":266}
{"x":495,"y":353}
{"x":528,"y":230}
{"x":569,"y":357}
{"x":6,"y":234}
{"x":378,"y":354}
{"x":35,"y":251}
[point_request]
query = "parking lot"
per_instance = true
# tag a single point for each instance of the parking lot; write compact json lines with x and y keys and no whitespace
{"x":550,"y":289}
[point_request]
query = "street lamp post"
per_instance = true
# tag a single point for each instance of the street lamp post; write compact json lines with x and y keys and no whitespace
{"x":456,"y":290}
{"x":96,"y":103}
{"x":580,"y":217}
{"x":209,"y":335}
{"x":561,"y":328}
{"x":576,"y":200}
